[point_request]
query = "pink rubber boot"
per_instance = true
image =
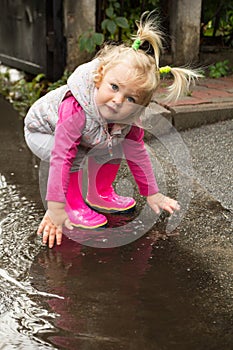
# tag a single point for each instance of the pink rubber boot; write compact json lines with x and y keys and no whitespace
{"x":101,"y":194}
{"x":79,"y":213}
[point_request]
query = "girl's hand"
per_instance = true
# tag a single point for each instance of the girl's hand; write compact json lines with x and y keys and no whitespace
{"x":159,"y":201}
{"x":51,"y":224}
{"x":49,"y":231}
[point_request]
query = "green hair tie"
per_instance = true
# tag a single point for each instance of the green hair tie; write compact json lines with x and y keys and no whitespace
{"x":165,"y":70}
{"x":136,"y":44}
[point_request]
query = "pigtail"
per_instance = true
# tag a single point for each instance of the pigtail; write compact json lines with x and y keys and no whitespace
{"x":149,"y":39}
{"x":148,"y":36}
{"x":183,"y":78}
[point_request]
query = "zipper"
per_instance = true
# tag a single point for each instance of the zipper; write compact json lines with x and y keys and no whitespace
{"x":110,"y":146}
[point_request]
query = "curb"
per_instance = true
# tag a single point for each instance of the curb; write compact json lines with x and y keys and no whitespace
{"x":187,"y":117}
{"x":192,"y":116}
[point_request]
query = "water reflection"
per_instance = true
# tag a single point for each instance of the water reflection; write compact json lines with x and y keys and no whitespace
{"x":101,"y":292}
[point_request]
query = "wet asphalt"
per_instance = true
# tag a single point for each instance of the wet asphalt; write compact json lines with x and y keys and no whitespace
{"x":206,"y":227}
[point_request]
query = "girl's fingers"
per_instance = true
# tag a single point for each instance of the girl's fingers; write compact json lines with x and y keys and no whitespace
{"x":59,"y":235}
{"x":45,"y":221}
{"x":156,"y":209}
{"x":52,"y":235}
{"x":168,"y":208}
{"x":174,"y":205}
{"x":40,"y":228}
{"x":45,"y":234}
{"x":50,"y":232}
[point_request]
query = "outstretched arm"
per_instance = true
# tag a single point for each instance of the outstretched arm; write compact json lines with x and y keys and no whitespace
{"x":67,"y":137}
{"x":141,"y":168}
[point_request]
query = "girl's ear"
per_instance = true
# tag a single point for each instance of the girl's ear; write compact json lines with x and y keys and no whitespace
{"x":97,"y":84}
{"x":99,"y":75}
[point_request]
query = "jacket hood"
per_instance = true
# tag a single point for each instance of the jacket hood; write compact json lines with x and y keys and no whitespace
{"x":82,"y":87}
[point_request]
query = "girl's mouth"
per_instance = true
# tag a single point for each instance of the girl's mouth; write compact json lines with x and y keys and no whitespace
{"x":111,"y":109}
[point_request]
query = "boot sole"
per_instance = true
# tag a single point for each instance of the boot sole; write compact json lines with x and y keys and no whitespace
{"x":111,"y":210}
{"x":90,"y":227}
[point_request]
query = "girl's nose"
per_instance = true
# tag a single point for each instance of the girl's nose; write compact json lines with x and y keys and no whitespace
{"x":118,"y":98}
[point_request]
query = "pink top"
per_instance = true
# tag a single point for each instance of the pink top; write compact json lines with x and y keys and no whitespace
{"x":68,"y":135}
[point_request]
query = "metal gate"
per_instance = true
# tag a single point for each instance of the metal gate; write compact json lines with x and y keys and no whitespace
{"x":31,"y":36}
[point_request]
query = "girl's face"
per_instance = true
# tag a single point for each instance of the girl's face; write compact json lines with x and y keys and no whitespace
{"x":116,"y":96}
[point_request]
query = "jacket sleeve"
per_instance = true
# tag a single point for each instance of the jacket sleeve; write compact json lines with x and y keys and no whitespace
{"x":67,"y":138}
{"x":139,"y":161}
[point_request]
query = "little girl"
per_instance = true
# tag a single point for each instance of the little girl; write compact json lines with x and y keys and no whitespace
{"x":97,"y":115}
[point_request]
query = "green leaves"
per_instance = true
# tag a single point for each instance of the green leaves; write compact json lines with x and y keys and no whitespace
{"x":22,"y":93}
{"x":220,"y":69}
{"x":110,"y":12}
{"x":122,"y":22}
{"x":89,"y":40}
{"x":111,"y":26}
{"x":113,"y":22}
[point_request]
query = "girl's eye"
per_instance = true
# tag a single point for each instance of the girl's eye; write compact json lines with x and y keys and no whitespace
{"x":114,"y":87}
{"x":131,"y":99}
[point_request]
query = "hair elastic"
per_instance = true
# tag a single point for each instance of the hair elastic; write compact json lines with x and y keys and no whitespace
{"x":136,"y":44}
{"x":165,"y":70}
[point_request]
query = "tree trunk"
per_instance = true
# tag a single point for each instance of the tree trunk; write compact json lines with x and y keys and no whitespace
{"x":185,"y":24}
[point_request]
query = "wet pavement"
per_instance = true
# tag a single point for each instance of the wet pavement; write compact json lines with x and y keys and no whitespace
{"x":167,"y":290}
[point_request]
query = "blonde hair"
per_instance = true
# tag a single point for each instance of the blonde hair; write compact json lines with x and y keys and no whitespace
{"x":145,"y":64}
